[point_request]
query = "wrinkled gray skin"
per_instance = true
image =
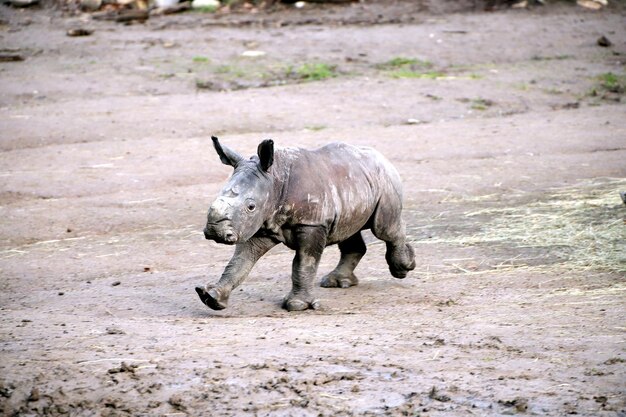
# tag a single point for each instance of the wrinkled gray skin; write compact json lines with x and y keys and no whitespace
{"x":306,"y":200}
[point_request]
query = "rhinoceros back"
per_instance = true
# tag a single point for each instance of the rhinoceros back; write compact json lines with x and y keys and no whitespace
{"x":338,"y":186}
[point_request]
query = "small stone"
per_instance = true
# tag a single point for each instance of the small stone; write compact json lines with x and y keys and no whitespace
{"x":114,"y":330}
{"x":90,"y":5}
{"x":176,"y":401}
{"x":115,"y":283}
{"x":602,"y":399}
{"x":34,"y":394}
{"x":604,"y":41}
{"x":6,"y":390}
{"x":521,"y":404}
{"x":435,"y":395}
{"x":75,"y":33}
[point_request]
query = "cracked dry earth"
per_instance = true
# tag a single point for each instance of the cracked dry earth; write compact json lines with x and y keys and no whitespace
{"x":107,"y":170}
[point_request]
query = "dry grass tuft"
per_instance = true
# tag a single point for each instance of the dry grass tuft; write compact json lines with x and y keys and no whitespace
{"x":583,"y":225}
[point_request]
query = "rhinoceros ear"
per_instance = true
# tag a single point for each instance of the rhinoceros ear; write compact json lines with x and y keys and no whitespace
{"x":266,"y":154}
{"x":227,"y":155}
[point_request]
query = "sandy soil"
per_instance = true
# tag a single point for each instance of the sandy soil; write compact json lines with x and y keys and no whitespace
{"x":107,"y":171}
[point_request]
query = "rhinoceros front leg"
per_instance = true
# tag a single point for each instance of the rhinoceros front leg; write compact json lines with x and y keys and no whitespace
{"x":310,"y":243}
{"x":246,"y":254}
{"x":352,"y":250}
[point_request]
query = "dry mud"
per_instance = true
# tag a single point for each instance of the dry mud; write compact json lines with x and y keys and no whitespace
{"x":504,"y":137}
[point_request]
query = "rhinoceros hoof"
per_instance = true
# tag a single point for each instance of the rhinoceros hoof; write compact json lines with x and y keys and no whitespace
{"x":399,"y":273}
{"x":296,"y":304}
{"x":212,"y":298}
{"x":401,"y":261}
{"x":336,"y":280}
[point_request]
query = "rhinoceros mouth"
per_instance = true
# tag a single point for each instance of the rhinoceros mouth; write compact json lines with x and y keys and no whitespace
{"x":225,"y":240}
{"x":223,"y":234}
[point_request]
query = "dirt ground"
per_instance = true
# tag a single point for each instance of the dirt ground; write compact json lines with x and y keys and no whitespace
{"x":499,"y":124}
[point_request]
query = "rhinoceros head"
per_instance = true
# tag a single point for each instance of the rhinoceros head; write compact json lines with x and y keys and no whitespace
{"x":243,"y":204}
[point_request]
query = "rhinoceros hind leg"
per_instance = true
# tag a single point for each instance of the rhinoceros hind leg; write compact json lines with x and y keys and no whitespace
{"x":387,"y":225}
{"x":212,"y":298}
{"x":352,"y":250}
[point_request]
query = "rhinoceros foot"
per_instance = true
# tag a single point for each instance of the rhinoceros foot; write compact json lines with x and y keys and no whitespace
{"x":401,"y":260}
{"x":212,"y":298}
{"x":293,"y":303}
{"x":338,"y":280}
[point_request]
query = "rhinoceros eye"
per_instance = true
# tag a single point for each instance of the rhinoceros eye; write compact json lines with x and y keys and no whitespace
{"x":250,"y":205}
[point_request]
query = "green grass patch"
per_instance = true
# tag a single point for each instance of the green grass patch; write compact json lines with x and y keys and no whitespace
{"x":315,"y":71}
{"x":609,"y":86}
{"x":613,"y":82}
{"x":205,"y":9}
{"x":403,"y":67}
{"x":551,"y":58}
{"x":244,"y":74}
{"x":230,"y":71}
{"x":315,"y":128}
{"x":400,"y":62}
{"x":403,"y":62}
{"x":407,"y":73}
{"x":481,"y":104}
{"x":553,"y":90}
{"x":200,"y":59}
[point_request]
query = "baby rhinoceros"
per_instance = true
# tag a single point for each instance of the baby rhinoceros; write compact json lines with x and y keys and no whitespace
{"x":306,"y":199}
